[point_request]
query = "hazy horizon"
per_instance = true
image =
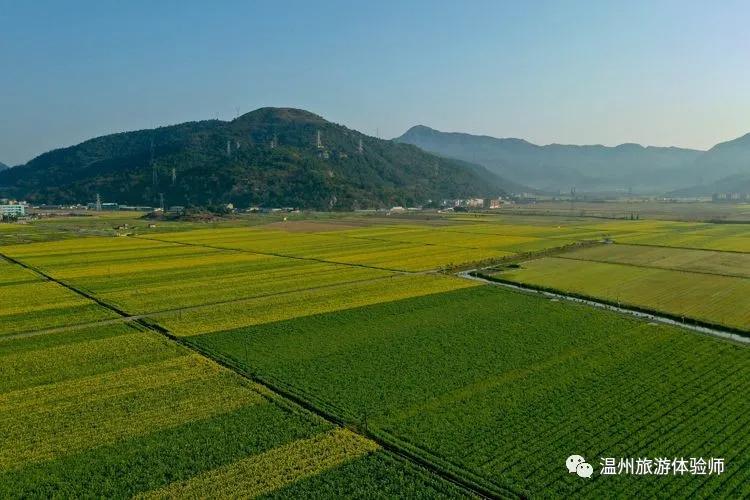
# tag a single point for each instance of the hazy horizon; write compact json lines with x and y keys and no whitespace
{"x":666,"y":74}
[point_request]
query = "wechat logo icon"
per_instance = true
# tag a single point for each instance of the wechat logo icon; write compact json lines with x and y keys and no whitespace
{"x":576,"y":464}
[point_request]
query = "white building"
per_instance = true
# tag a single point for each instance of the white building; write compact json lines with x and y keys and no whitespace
{"x":13,"y":210}
{"x":475,"y":203}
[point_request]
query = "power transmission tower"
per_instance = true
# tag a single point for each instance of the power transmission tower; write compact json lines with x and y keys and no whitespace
{"x":274,"y":142}
{"x":154,"y":174}
{"x":161,"y":201}
{"x":319,"y":141}
{"x":98,"y":203}
{"x":229,"y":147}
{"x":174,"y":175}
{"x":572,"y":198}
{"x":360,"y":149}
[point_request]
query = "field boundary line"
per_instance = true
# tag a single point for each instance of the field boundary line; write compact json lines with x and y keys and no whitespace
{"x":289,"y":397}
{"x":60,"y":329}
{"x":680,"y":247}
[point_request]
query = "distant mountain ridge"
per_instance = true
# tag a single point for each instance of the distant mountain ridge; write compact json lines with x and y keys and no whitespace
{"x":559,"y":167}
{"x":3,"y":166}
{"x":271,"y":157}
{"x":738,"y":183}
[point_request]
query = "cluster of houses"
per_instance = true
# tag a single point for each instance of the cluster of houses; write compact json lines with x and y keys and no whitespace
{"x":476,"y":203}
{"x":14,"y":210}
{"x":731,"y":197}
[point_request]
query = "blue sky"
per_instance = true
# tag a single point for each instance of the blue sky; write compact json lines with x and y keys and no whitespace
{"x":653,"y":72}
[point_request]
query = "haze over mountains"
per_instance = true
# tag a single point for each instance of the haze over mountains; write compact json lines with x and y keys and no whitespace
{"x":739,"y":183}
{"x":268,"y":157}
{"x":3,"y":166}
{"x":596,"y":168}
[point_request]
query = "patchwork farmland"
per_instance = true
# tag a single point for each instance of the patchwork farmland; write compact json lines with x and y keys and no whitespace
{"x":708,"y":286}
{"x":344,"y":357}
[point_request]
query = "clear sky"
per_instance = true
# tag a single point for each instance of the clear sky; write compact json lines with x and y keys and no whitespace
{"x":653,"y":72}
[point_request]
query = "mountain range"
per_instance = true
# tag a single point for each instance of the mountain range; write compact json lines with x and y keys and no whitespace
{"x":595,"y":168}
{"x":739,"y":183}
{"x":268,"y":157}
{"x":3,"y":166}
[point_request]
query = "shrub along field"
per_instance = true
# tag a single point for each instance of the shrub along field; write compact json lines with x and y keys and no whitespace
{"x":504,"y":386}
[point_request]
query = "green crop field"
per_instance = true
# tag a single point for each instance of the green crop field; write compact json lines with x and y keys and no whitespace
{"x":707,"y":286}
{"x":339,"y":356}
{"x":483,"y":385}
{"x":115,"y":411}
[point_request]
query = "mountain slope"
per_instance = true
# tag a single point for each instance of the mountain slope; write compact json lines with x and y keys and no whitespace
{"x":3,"y":166}
{"x":562,"y":167}
{"x":269,"y":157}
{"x":737,"y":183}
{"x":726,"y":159}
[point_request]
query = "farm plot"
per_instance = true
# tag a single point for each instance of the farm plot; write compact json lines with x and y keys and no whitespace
{"x":229,"y":284}
{"x":527,"y":235}
{"x":115,"y":411}
{"x":335,"y":248}
{"x":697,"y":261}
{"x":722,"y":300}
{"x":11,"y":274}
{"x":28,"y":303}
{"x":446,"y":237}
{"x":727,"y":237}
{"x":504,"y":386}
{"x":284,"y":306}
{"x":159,"y":278}
{"x":724,"y":237}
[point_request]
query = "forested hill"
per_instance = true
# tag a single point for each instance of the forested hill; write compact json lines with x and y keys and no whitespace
{"x":269,"y":157}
